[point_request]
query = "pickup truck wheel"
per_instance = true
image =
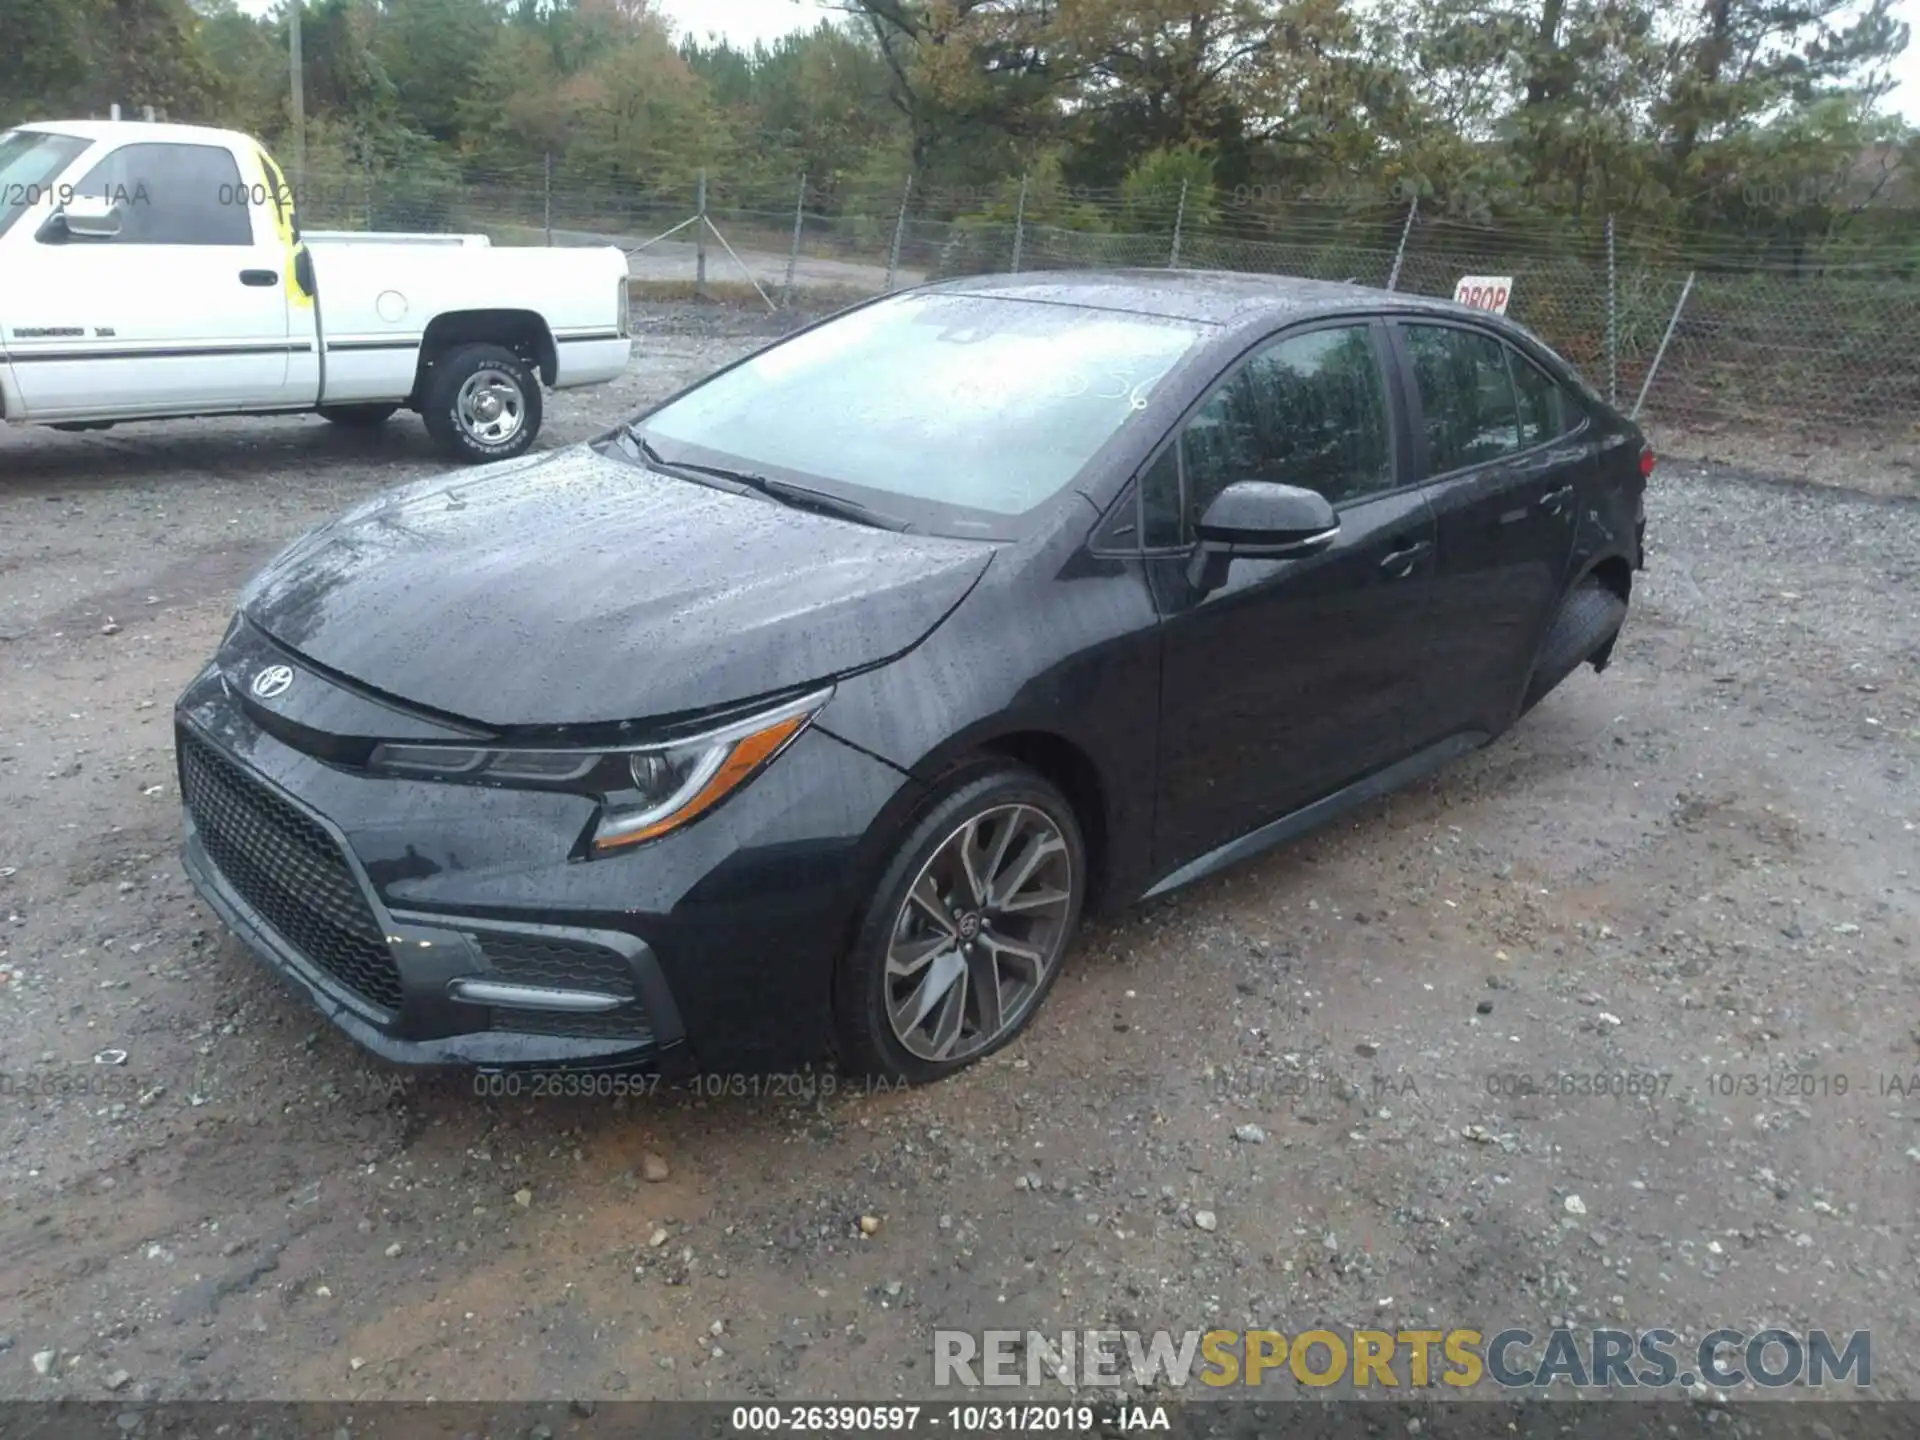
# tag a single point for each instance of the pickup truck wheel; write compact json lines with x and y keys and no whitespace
{"x":358,"y":417}
{"x":482,"y":402}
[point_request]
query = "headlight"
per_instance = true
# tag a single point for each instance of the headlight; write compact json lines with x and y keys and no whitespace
{"x":646,"y":790}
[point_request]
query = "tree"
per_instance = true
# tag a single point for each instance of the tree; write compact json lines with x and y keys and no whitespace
{"x":432,"y":51}
{"x":43,"y":58}
{"x":971,"y":78}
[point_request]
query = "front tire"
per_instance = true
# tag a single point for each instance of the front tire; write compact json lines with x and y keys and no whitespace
{"x":967,"y":929}
{"x":482,"y":403}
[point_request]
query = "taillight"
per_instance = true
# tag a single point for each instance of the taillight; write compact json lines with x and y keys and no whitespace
{"x":623,"y":308}
{"x":1646,"y":461}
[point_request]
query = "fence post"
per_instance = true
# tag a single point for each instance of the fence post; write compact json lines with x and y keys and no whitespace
{"x":1400,"y":251}
{"x":297,"y":92}
{"x":1179,"y":219}
{"x":1019,"y":224}
{"x":700,"y":234}
{"x":1613,"y":321}
{"x":899,"y":232}
{"x":546,"y":196}
{"x":1654,"y":368}
{"x":793,"y":255}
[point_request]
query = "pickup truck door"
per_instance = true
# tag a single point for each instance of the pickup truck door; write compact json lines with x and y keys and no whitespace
{"x":183,"y":309}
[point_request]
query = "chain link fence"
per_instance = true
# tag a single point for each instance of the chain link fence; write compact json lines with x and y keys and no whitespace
{"x":1718,"y":337}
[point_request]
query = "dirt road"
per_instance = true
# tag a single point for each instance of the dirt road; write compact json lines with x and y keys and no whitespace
{"x":1323,"y":1089}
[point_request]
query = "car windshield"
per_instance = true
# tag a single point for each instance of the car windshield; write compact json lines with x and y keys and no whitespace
{"x":30,"y":161}
{"x":967,"y":403}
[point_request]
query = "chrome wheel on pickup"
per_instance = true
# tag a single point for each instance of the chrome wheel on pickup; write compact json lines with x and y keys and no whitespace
{"x":482,"y":402}
{"x":490,"y":407}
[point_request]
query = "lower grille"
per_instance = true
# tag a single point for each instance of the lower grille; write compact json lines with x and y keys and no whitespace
{"x":629,"y":1022}
{"x":530,"y":959}
{"x":289,"y":870}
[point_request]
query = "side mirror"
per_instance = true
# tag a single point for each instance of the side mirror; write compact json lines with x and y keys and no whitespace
{"x":1258,"y":518}
{"x":92,"y":217}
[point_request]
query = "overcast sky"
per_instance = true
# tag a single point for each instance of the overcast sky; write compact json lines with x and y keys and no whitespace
{"x":745,"y":21}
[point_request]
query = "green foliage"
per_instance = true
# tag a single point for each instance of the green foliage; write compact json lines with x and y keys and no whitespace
{"x":1738,"y":126}
{"x":1164,"y":181}
{"x":42,"y":55}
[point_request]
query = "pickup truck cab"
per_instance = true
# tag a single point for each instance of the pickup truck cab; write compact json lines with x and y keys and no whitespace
{"x":153,"y":271}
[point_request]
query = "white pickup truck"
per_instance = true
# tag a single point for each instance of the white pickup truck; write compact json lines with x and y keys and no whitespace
{"x":152,"y":271}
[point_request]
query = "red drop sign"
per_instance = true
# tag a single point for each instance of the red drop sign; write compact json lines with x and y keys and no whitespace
{"x":1484,"y":292}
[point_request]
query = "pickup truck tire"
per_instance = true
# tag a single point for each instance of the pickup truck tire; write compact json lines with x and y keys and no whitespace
{"x":481,"y":403}
{"x":358,"y":417}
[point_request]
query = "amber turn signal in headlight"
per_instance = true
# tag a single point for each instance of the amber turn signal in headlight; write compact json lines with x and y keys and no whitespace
{"x":678,"y":782}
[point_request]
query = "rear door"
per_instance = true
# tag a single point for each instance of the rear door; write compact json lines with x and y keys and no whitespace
{"x":1502,"y":473}
{"x":183,"y":309}
{"x":1295,"y":676}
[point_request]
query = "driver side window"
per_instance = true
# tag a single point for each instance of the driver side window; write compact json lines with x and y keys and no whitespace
{"x":1309,"y":410}
{"x":172,"y":194}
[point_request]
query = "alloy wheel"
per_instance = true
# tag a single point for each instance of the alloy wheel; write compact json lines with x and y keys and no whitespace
{"x":979,"y":933}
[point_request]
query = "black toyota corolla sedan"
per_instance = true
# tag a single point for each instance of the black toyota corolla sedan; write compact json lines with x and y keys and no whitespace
{"x":807,"y":714}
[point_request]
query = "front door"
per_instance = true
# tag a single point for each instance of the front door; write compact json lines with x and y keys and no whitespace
{"x":1292,"y":678}
{"x":1504,"y":467}
{"x":184,"y":308}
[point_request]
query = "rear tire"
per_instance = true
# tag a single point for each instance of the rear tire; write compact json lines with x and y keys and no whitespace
{"x":481,"y":403}
{"x":358,"y":417}
{"x":1587,"y":621}
{"x":967,"y":929}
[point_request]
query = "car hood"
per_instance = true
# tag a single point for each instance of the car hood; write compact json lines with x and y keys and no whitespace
{"x":575,"y":589}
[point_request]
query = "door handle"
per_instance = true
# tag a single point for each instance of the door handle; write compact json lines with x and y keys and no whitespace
{"x":1555,"y":502}
{"x":259,"y":277}
{"x":1399,"y":563}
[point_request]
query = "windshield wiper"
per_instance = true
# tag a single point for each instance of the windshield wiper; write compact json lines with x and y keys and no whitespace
{"x":800,"y":497}
{"x":803,"y":497}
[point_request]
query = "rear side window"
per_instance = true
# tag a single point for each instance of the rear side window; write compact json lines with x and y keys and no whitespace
{"x":173,"y":195}
{"x":1543,"y":408}
{"x":1466,"y":396}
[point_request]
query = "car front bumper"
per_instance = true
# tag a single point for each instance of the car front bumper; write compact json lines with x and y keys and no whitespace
{"x":658,"y":1039}
{"x":441,"y":923}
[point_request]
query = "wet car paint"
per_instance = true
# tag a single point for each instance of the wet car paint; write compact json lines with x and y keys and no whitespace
{"x":583,"y":595}
{"x":583,"y":589}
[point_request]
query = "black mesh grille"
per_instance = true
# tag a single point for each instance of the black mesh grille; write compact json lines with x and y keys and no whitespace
{"x":571,"y":964}
{"x":545,"y":960}
{"x":629,"y":1022}
{"x":289,"y":870}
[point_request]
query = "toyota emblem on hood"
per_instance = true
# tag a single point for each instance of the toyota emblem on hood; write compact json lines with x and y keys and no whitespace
{"x":271,"y":681}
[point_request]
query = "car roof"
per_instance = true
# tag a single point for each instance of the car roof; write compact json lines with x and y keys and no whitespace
{"x":1215,"y":297}
{"x":136,"y":131}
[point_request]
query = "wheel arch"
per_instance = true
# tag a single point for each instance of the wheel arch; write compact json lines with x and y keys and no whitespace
{"x":1613,"y":570}
{"x":1057,"y":758}
{"x":524,"y":332}
{"x":1061,"y":762}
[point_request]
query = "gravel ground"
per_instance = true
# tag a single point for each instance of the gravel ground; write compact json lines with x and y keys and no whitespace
{"x":1286,"y":1097}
